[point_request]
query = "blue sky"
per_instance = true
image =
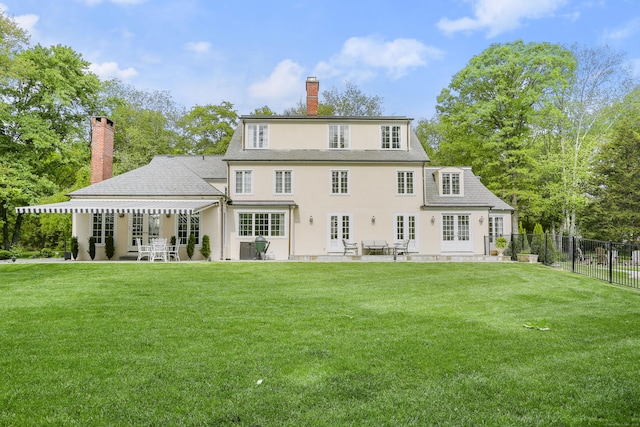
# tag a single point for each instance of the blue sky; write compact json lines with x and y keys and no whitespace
{"x":255,"y":53}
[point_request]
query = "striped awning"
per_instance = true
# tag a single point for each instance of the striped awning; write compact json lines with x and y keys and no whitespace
{"x":122,"y":206}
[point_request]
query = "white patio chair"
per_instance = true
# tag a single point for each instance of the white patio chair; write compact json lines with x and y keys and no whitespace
{"x":143,"y":250}
{"x":158,"y":250}
{"x":348,"y":246}
{"x":402,"y":247}
{"x":174,"y":251}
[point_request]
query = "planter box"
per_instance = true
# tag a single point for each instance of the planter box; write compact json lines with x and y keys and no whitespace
{"x":532,"y":258}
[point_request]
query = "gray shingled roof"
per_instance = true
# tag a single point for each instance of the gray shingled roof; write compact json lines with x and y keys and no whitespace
{"x":475,"y":193}
{"x":163,"y":176}
{"x":210,"y":167}
{"x":415,"y":153}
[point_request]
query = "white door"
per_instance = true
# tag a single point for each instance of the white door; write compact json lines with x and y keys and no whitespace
{"x":339,"y":228}
{"x":144,"y":227}
{"x":405,"y":228}
{"x":456,"y":233}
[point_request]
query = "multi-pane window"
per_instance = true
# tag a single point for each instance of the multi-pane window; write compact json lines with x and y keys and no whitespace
{"x":340,"y":227}
{"x":338,"y":136}
{"x":102,"y":225}
{"x":450,"y":183}
{"x":257,"y":136}
{"x":268,"y":224}
{"x":283,"y":182}
{"x":405,"y":227}
{"x":390,"y":136}
{"x":496,"y":227}
{"x":405,"y":182}
{"x":455,"y":227}
{"x":340,"y":182}
{"x":244,"y":182}
{"x":188,"y":225}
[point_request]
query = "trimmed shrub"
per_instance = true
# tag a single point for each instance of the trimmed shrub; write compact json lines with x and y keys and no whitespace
{"x":205,"y":250}
{"x":109,"y":248}
{"x":74,"y":247}
{"x":46,"y":253}
{"x":4,"y":254}
{"x":191,"y":245}
{"x":92,"y":248}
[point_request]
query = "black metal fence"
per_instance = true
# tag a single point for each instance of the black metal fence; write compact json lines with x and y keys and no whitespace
{"x":612,"y":262}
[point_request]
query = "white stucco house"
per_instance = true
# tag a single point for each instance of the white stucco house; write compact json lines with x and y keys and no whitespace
{"x":305,"y":183}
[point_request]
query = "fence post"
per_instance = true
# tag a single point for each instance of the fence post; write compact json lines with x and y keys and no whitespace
{"x":610,"y":261}
{"x":572,"y":246}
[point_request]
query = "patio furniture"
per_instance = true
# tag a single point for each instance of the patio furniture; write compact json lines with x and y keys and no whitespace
{"x":143,"y":250}
{"x":401,"y":247}
{"x":373,"y":246}
{"x":158,"y":250}
{"x":349,"y":247}
{"x":173,"y":251}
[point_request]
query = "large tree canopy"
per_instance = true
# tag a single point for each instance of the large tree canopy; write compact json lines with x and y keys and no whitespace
{"x":46,"y":95}
{"x":208,"y":129}
{"x":489,"y":114}
{"x":614,"y":210}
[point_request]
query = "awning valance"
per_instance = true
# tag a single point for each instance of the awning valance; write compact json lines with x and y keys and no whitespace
{"x":121,"y":206}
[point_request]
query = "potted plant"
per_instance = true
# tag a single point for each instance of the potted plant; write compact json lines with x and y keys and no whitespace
{"x":206,"y":247}
{"x":501,"y":244}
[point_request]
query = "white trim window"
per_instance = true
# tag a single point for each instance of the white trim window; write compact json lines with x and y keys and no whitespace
{"x":496,"y":227}
{"x":188,"y":225}
{"x":267,"y":224}
{"x":451,"y":184}
{"x":340,"y":227}
{"x":283,"y":182}
{"x":102,"y":225}
{"x":244,"y":182}
{"x":405,"y":182}
{"x":390,"y":137}
{"x":339,"y":136}
{"x":405,"y":227}
{"x":257,"y":136}
{"x":339,"y":182}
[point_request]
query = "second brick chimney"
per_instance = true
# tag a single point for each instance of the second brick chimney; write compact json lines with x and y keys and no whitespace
{"x":102,"y":131}
{"x":313,"y":86}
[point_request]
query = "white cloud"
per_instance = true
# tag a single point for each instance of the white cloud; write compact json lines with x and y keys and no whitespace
{"x":26,"y":22}
{"x":112,"y":69}
{"x":499,"y":16}
{"x":362,"y":57}
{"x":282,"y":87}
{"x":122,"y":2}
{"x":199,"y":47}
{"x":623,"y":32}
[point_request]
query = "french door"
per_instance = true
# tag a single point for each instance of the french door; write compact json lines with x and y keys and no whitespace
{"x":456,"y":233}
{"x":340,"y":227}
{"x":144,"y":227}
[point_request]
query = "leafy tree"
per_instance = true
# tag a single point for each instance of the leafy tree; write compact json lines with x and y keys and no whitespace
{"x":614,"y":210}
{"x":489,"y":111}
{"x":349,"y":102}
{"x":146,"y":124}
{"x":208,"y":129}
{"x":46,"y":94}
{"x":601,"y":80}
{"x":264,"y":111}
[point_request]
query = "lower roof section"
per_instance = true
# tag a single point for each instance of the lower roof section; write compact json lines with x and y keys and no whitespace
{"x":122,"y":206}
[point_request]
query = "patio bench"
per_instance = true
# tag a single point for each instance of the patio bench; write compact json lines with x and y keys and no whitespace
{"x":373,"y":246}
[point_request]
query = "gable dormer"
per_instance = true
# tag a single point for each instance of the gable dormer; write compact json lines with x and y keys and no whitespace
{"x":450,"y":181}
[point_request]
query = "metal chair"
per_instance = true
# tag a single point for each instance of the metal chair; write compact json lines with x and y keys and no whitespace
{"x":348,"y":246}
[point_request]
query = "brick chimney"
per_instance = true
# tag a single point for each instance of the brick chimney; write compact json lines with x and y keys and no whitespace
{"x":313,"y":86}
{"x":102,"y":131}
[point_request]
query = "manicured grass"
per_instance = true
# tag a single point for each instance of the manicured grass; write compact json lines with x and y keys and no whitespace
{"x":315,"y":344}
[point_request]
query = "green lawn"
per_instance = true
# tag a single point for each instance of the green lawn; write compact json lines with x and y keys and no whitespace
{"x":315,"y":344}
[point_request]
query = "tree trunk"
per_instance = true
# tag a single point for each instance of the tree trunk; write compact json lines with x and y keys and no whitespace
{"x":16,"y":230}
{"x":5,"y":227}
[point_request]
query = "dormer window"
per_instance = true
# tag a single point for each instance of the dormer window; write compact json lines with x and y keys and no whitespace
{"x":390,"y":135}
{"x":257,"y":136}
{"x":338,"y":136}
{"x":450,"y":183}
